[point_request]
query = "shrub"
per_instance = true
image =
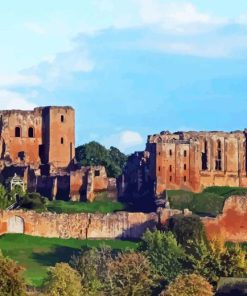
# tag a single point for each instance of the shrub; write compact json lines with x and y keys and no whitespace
{"x":33,"y":201}
{"x":62,"y":281}
{"x":11,"y":279}
{"x":189,"y":285}
{"x":187,"y":229}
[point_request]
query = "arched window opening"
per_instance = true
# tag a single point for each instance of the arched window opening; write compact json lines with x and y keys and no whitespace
{"x":185,"y":179}
{"x":185,"y":153}
{"x":62,"y":140}
{"x":205,"y":156}
{"x":185,"y":166}
{"x":17,"y":132}
{"x":31,"y":132}
{"x":218,"y":162}
{"x":170,"y":152}
{"x":62,"y":118}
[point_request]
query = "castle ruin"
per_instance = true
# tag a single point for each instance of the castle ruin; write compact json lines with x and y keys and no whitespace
{"x":39,"y":146}
{"x":187,"y":160}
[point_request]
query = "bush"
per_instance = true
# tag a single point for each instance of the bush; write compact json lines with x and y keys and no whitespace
{"x":11,"y":279}
{"x":33,"y":201}
{"x":62,"y":281}
{"x":189,"y":285}
{"x":187,"y":229}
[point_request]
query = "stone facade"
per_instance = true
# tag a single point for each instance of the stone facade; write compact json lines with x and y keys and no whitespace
{"x":188,"y":160}
{"x":39,"y":146}
{"x":230,"y":225}
{"x":42,"y":136}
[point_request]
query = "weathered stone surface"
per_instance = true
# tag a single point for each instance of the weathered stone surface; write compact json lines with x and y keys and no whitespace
{"x":230,"y":225}
{"x":187,"y":160}
{"x":81,"y":226}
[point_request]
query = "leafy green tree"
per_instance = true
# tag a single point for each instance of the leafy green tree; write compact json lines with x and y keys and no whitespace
{"x":62,"y":280}
{"x":165,"y":254}
{"x":11,"y":279}
{"x":131,"y":274}
{"x":93,"y":154}
{"x":92,"y":267}
{"x":189,"y":285}
{"x":188,"y":230}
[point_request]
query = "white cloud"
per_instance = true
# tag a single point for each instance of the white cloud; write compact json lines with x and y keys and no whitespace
{"x":176,"y":17}
{"x":124,"y":140}
{"x":19,"y":80}
{"x":14,"y":100}
{"x":35,"y":28}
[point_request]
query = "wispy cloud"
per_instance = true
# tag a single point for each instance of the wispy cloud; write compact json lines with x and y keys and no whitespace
{"x":17,"y":80}
{"x":14,"y":100}
{"x":35,"y":28}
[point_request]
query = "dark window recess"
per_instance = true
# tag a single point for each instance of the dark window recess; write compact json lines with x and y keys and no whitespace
{"x":159,"y":168}
{"x":170,"y":152}
{"x":62,"y":140}
{"x":31,"y":132}
{"x":17,"y":132}
{"x":185,"y":167}
{"x":62,"y":118}
{"x":96,"y":173}
{"x":170,"y":168}
{"x":205,"y":157}
{"x":185,"y":153}
{"x":21,"y":155}
{"x":185,"y":179}
{"x":170,"y":178}
{"x":218,"y":162}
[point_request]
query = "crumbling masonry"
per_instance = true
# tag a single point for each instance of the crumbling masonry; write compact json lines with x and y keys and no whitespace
{"x":39,"y":146}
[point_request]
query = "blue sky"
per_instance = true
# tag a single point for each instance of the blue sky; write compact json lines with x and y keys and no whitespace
{"x":131,"y":68}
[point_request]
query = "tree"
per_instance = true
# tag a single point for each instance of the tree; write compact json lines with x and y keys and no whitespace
{"x":216,"y":261}
{"x":188,"y":230}
{"x":163,"y":251}
{"x":62,"y":280}
{"x":93,"y":154}
{"x":189,"y":285}
{"x":11,"y":279}
{"x":129,"y":274}
{"x":92,"y":267}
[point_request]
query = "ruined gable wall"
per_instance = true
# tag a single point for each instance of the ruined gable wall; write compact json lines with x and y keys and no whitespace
{"x":176,"y":160}
{"x":12,"y":145}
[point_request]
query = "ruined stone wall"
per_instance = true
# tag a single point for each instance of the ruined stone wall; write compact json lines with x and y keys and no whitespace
{"x":14,"y":147}
{"x":44,"y":135}
{"x":196,"y":160}
{"x":230,"y":225}
{"x":80,"y":226}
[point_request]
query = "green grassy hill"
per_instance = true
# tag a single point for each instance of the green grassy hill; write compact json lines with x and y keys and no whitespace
{"x":210,"y":202}
{"x":36,"y":254}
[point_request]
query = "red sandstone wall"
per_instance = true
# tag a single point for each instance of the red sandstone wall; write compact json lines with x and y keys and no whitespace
{"x":231,"y":224}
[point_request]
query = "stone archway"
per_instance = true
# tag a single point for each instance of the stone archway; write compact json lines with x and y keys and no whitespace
{"x":15,"y":225}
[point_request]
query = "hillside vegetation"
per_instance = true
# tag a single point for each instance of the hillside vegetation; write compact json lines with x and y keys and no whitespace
{"x":209,"y":202}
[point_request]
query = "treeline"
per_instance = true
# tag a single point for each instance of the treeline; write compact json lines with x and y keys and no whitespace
{"x":93,"y":154}
{"x":177,"y":260}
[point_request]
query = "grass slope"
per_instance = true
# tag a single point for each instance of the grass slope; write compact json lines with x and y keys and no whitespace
{"x":36,"y":254}
{"x":98,"y":206}
{"x":209,"y":202}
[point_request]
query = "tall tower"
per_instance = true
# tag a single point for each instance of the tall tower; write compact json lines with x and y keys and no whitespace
{"x":58,"y":136}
